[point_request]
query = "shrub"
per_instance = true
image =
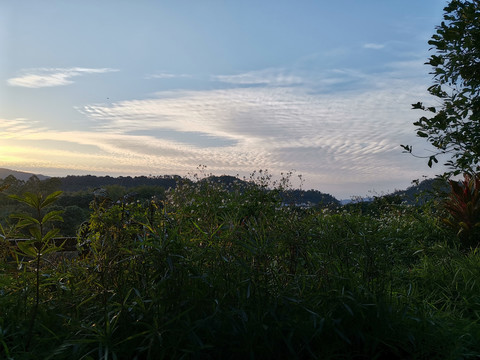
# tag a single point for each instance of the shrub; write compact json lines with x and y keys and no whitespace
{"x":463,"y":206}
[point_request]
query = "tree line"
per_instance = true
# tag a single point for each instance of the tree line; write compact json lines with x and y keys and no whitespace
{"x":78,"y":192}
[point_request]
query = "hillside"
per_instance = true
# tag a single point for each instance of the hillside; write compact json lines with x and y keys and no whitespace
{"x":82,"y":183}
{"x":88,"y":182}
{"x":20,"y":175}
{"x":73,"y":183}
{"x":422,"y":191}
{"x":417,"y":193}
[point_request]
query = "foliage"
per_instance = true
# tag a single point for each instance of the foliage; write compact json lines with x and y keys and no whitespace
{"x":82,"y":183}
{"x":40,"y":243}
{"x":463,"y":205}
{"x":454,"y":128}
{"x":230,"y":271}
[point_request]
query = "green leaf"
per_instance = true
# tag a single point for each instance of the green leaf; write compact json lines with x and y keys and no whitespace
{"x":464,"y":225}
{"x":198,"y":227}
{"x":35,"y":232}
{"x":53,"y":216}
{"x":27,"y":248}
{"x":49,"y":235}
{"x":51,"y":249}
{"x":51,"y":198}
{"x":436,"y":60}
{"x":431,"y":160}
{"x":24,"y":219}
{"x":27,"y":198}
{"x":418,"y":105}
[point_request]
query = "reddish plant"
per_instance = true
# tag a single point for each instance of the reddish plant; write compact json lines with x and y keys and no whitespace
{"x":463,"y":205}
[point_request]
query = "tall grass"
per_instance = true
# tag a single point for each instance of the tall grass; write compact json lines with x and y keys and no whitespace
{"x":229,"y":272}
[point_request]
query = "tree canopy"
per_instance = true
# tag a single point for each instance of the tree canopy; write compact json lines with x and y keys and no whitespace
{"x":453,"y":128}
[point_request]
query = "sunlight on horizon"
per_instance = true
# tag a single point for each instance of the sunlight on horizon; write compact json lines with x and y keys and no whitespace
{"x":239,"y":87}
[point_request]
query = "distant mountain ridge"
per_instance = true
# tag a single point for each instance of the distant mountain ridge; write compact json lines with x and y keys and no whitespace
{"x":20,"y":175}
{"x":84,"y":182}
{"x":423,"y":191}
{"x":426,"y":189}
{"x":76,"y":183}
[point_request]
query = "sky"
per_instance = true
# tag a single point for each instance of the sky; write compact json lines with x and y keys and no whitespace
{"x":127,"y":88}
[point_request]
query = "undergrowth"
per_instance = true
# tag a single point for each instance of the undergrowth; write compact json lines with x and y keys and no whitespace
{"x":230,"y":272}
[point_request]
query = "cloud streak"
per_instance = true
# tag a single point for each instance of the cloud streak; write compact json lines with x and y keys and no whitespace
{"x":333,"y":138}
{"x":329,"y":137}
{"x":12,"y":128}
{"x":270,"y":77}
{"x":50,"y":77}
{"x":166,"y":75}
{"x":373,"y":46}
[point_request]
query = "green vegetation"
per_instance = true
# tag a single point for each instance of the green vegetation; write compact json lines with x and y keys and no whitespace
{"x":454,"y":126}
{"x":39,"y":244}
{"x":463,"y":206}
{"x":216,"y":270}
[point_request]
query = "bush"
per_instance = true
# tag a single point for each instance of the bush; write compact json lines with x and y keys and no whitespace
{"x":219,"y":271}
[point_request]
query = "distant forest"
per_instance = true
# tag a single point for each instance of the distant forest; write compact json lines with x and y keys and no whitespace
{"x":141,"y":185}
{"x":79,"y":191}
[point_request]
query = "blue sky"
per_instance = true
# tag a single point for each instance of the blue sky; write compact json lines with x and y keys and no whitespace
{"x":323,"y":88}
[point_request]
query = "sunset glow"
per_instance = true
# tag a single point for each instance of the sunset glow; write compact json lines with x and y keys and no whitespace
{"x":138,"y":88}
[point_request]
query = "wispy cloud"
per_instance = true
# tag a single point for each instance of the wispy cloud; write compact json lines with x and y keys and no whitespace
{"x":271,"y":77}
{"x":12,"y":128}
{"x":373,"y":46}
{"x":332,"y":138}
{"x":166,"y":75}
{"x":49,"y":77}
